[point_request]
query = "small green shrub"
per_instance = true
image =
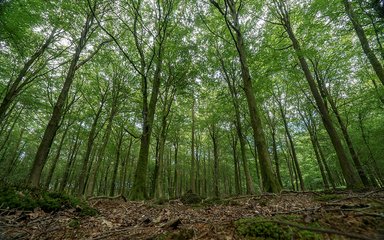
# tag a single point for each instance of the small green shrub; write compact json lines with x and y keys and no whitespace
{"x":190,"y":198}
{"x":74,"y":223}
{"x":259,"y":228}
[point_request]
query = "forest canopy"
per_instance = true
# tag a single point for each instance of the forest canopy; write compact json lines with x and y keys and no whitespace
{"x":157,"y":98}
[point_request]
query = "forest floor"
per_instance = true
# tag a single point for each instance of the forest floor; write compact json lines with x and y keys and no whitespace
{"x":342,"y":215}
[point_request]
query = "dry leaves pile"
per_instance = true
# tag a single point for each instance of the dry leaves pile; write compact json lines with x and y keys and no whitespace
{"x":344,"y":216}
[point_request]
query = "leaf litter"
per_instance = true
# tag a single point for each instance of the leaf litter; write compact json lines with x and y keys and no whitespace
{"x":339,"y":215}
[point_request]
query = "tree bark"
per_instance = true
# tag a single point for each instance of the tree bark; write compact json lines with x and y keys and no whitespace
{"x":213,"y":134}
{"x":356,"y":160}
{"x":235,"y":102}
{"x":116,"y":163}
{"x":353,"y":180}
{"x":269,"y":181}
{"x":193,"y":160}
{"x":236,"y":164}
{"x":375,"y":63}
{"x":158,"y":188}
{"x":57,"y":157}
{"x":21,"y":80}
{"x":275,"y":154}
{"x":291,"y":145}
{"x":90,"y":142}
{"x":71,"y":159}
{"x":53,"y":124}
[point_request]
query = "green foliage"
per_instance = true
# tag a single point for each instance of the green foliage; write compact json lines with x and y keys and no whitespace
{"x":258,"y":227}
{"x":74,"y":223}
{"x":29,"y":199}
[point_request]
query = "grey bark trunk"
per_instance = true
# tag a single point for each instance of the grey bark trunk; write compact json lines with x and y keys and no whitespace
{"x":53,"y":124}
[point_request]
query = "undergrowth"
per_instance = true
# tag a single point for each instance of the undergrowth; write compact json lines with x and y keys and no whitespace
{"x":263,"y":228}
{"x":27,"y":199}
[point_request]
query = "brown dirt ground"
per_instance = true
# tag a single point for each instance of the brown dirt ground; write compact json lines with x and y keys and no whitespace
{"x":343,"y":215}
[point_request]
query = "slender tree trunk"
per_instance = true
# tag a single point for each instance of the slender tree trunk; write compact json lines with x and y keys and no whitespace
{"x":356,"y":160}
{"x":375,"y":63}
{"x":292,"y":146}
{"x":289,"y":166}
{"x":309,"y":125}
{"x":353,"y":180}
{"x":193,"y":160}
{"x":107,"y":134}
{"x":57,"y":157}
{"x":269,"y":181}
{"x":71,"y":159}
{"x":205,"y":188}
{"x":239,"y":130}
{"x":318,"y":159}
{"x":14,"y":157}
{"x":370,"y":153}
{"x":53,"y":124}
{"x":22,"y":80}
{"x":293,"y":163}
{"x":156,"y":172}
{"x":275,"y":154}
{"x":213,"y":134}
{"x":158,"y":188}
{"x":126,"y":164}
{"x":323,"y":160}
{"x":90,"y":142}
{"x":117,"y":163}
{"x":236,"y":164}
{"x":176,"y":180}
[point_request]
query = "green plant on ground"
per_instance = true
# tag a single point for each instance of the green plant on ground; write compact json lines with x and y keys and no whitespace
{"x":190,"y":198}
{"x":28,"y":199}
{"x":263,"y":228}
{"x":327,"y":197}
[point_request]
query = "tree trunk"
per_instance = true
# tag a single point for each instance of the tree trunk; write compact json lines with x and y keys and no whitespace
{"x":235,"y":101}
{"x":14,"y":157}
{"x":56,"y":159}
{"x":53,"y":124}
{"x":101,"y":152}
{"x":90,"y":142}
{"x":353,"y":180}
{"x":289,"y":166}
{"x":269,"y":181}
{"x":168,"y":97}
{"x":291,"y":145}
{"x":236,"y":164}
{"x":193,"y":160}
{"x":21,"y":80}
{"x":376,"y":65}
{"x":371,"y":158}
{"x":176,"y":180}
{"x":325,"y":94}
{"x":139,"y":188}
{"x":71,"y":159}
{"x":117,"y":163}
{"x":125,"y":165}
{"x":213,"y":134}
{"x":275,"y":154}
